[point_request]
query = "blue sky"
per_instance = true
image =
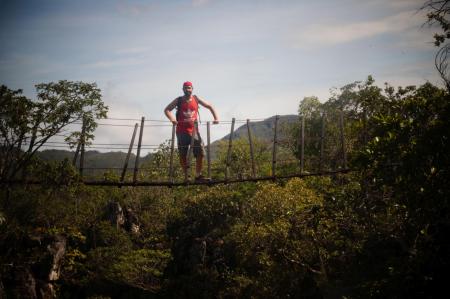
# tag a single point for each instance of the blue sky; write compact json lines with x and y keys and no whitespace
{"x":250,"y":59}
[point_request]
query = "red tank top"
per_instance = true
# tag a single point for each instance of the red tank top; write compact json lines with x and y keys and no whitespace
{"x":187,"y":115}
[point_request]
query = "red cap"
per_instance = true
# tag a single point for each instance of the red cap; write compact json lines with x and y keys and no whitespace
{"x":187,"y":83}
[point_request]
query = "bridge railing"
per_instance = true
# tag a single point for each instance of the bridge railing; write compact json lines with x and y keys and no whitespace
{"x":301,"y":148}
{"x":247,"y":157}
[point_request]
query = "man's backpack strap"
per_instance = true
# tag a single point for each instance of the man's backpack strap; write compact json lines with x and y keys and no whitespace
{"x":198,"y":108}
{"x":179,"y":99}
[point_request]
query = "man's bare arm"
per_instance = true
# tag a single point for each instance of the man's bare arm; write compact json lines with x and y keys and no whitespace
{"x":168,"y":113}
{"x":211,"y":108}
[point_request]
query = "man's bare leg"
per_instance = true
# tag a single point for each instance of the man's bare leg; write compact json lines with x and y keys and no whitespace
{"x":198,"y":165}
{"x":183,"y":163}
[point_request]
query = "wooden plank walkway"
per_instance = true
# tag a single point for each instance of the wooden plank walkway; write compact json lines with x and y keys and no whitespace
{"x":190,"y":183}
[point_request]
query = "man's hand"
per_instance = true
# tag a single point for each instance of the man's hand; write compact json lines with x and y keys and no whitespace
{"x":174,"y":122}
{"x":216,"y":121}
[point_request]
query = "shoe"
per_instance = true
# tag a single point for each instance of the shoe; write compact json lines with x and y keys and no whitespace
{"x":187,"y":179}
{"x":202,"y":179}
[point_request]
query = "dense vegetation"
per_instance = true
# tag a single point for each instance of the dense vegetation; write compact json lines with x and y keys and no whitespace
{"x":380,"y":231}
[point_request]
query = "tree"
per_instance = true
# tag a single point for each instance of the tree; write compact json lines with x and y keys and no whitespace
{"x":311,"y":110}
{"x":310,"y":107}
{"x":438,"y":11}
{"x":339,"y":125}
{"x":438,"y":14}
{"x":24,"y":122}
{"x":408,"y":156}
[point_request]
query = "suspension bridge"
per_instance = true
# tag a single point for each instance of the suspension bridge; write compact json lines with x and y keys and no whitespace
{"x":169,"y":174}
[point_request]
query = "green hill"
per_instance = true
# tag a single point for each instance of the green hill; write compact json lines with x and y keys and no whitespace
{"x":263,"y":129}
{"x":260,"y":130}
{"x":92,"y":159}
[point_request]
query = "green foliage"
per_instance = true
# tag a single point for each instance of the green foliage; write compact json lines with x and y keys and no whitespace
{"x":240,"y":161}
{"x":158,"y":164}
{"x":310,"y":107}
{"x":264,"y":241}
{"x":379,"y":232}
{"x":414,"y":137}
{"x":340,"y":125}
{"x":412,"y":143}
{"x":141,"y":268}
{"x":197,"y":231}
{"x":272,"y":241}
{"x":32,"y":123}
{"x":67,"y":102}
{"x":438,"y":14}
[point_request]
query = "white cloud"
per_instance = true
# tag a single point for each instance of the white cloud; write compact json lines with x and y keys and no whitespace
{"x":116,"y":63}
{"x":414,"y":74}
{"x":328,"y":34}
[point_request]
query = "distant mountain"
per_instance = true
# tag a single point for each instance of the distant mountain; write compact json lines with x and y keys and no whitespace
{"x":262,"y":129}
{"x":92,"y":159}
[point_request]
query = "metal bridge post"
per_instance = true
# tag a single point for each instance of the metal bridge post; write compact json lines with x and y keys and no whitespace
{"x":172,"y":147}
{"x":83,"y":142}
{"x":136,"y":162}
{"x":208,"y":147}
{"x":274,"y":151}
{"x":250,"y":142}
{"x":341,"y":125}
{"x":322,"y":142}
{"x":302,"y":145}
{"x":75,"y":156}
{"x":125,"y":166}
{"x":230,"y":143}
{"x":191,"y":149}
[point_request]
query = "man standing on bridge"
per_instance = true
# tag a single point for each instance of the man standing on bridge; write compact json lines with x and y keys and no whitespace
{"x":187,"y":114}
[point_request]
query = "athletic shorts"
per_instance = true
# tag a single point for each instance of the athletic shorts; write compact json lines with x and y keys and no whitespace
{"x":184,"y":141}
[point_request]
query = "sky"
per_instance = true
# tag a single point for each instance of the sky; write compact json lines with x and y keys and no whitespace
{"x":250,"y":59}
